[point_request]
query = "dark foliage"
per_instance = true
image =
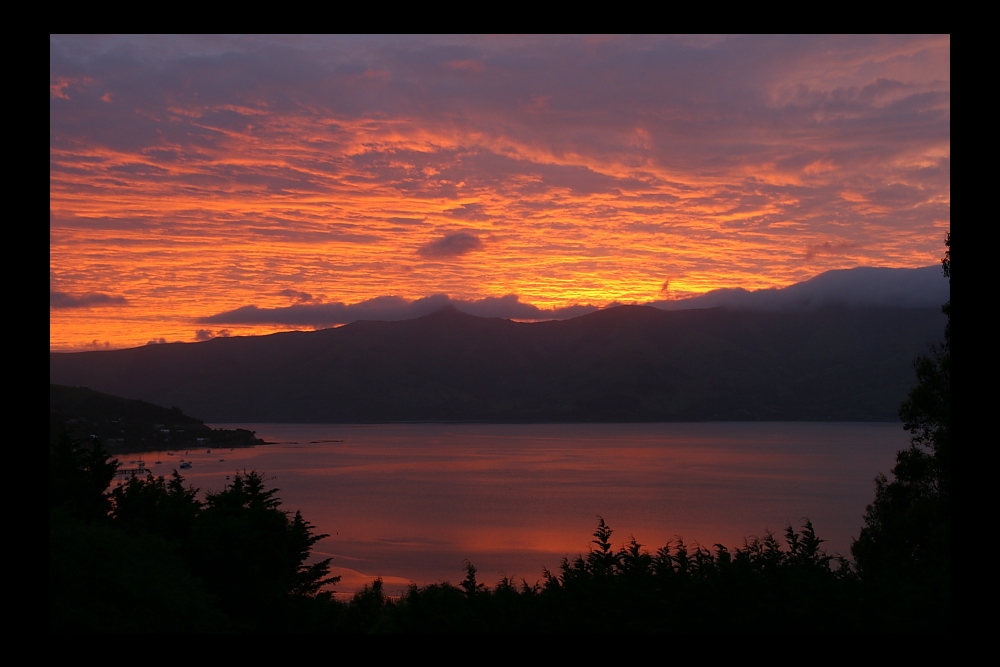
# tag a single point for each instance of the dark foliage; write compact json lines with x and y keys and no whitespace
{"x":79,"y":476}
{"x":104,"y":580}
{"x":763,"y":586}
{"x":904,"y":550}
{"x":156,"y":506}
{"x":162,"y":561}
{"x":252,"y":555}
{"x":151,"y":557}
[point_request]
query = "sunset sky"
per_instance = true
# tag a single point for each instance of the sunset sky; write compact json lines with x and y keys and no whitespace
{"x":207,"y":186}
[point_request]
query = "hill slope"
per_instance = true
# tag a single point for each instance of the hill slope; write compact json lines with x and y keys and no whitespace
{"x":631,"y":363}
{"x":132,"y":425}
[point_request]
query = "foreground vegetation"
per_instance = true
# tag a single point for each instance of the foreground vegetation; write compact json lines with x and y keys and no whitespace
{"x":150,"y":557}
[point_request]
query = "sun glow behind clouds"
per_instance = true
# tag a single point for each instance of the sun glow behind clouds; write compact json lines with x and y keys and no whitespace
{"x":194,"y":176}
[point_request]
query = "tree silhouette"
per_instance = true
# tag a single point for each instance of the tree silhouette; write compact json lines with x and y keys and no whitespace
{"x":252,"y":554}
{"x":79,"y":477}
{"x":904,"y":547}
{"x":157,"y":506}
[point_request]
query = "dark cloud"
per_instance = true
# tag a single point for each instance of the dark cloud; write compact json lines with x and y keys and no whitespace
{"x":300,"y":297}
{"x":473,"y":212}
{"x":139,"y":169}
{"x":208,"y":334}
{"x":451,"y":245}
{"x":830,"y":248}
{"x":86,"y":347}
{"x":862,"y":286}
{"x":309,"y":236}
{"x":65,"y":220}
{"x":393,"y":308}
{"x":61,"y":300}
{"x":697,"y":105}
{"x":510,"y":307}
{"x":690,"y":99}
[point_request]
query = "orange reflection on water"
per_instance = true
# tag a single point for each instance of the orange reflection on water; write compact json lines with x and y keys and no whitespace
{"x":415,"y":501}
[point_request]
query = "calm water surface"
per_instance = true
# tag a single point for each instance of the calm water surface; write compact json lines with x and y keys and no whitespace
{"x":409,"y":503}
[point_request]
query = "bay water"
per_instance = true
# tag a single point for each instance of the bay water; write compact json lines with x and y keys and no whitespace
{"x":411,"y":503}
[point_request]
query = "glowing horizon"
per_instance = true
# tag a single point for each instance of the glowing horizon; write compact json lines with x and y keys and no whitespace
{"x":192,"y":176}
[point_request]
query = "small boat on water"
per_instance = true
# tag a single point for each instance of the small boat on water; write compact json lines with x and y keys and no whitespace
{"x":185,"y":465}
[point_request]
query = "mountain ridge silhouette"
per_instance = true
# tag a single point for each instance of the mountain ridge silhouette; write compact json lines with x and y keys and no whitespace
{"x":629,"y":363}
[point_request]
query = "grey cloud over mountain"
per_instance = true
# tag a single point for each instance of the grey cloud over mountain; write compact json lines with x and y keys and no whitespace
{"x":392,"y":308}
{"x":862,"y":286}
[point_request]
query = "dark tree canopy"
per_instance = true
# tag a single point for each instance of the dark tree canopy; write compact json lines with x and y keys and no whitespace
{"x":154,"y":505}
{"x":905,"y":543}
{"x":79,"y":477}
{"x":252,"y":554}
{"x":150,"y":557}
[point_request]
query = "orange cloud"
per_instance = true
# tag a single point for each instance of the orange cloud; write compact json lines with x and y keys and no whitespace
{"x":569,"y":175}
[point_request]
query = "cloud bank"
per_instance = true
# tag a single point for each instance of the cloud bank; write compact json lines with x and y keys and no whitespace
{"x":862,"y":286}
{"x":194,"y":173}
{"x":389,"y":308}
{"x":859,"y":287}
{"x":64,"y":300}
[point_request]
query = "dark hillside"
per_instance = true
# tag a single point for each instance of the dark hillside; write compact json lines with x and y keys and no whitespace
{"x":631,"y":363}
{"x":131,"y":425}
